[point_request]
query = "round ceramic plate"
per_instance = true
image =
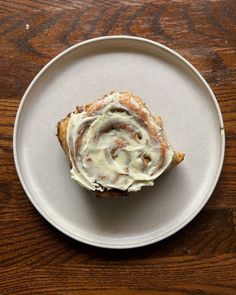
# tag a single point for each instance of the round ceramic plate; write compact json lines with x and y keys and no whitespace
{"x":171,"y":88}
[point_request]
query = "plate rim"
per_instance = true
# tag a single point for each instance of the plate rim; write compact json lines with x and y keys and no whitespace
{"x":142,"y":242}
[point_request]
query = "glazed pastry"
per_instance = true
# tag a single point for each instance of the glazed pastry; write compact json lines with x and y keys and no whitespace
{"x":116,"y":145}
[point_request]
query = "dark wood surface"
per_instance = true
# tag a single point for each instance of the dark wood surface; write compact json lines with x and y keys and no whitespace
{"x":35,"y":258}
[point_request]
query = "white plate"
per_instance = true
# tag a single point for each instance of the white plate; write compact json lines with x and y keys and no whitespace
{"x":172,"y":88}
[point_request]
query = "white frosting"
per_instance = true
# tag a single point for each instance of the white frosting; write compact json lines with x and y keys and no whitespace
{"x":110,"y":156}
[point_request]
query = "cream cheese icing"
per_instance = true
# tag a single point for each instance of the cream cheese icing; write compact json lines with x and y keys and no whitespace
{"x":113,"y":148}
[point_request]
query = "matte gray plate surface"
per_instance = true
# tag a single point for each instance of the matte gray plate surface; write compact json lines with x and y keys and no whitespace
{"x":171,"y":88}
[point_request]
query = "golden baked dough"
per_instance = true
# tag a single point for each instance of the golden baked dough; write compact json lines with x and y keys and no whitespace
{"x":116,"y":145}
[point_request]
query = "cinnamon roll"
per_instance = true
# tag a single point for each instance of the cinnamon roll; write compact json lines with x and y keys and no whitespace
{"x":116,"y":145}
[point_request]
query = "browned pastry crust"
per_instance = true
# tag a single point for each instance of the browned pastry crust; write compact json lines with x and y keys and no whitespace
{"x":91,"y":108}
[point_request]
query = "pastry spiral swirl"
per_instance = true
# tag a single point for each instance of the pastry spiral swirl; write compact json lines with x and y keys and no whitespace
{"x":116,"y":143}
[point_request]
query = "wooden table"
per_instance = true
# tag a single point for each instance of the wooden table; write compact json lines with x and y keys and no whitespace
{"x":38,"y":259}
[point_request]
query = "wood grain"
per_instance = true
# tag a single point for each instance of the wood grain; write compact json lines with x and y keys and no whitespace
{"x":38,"y":259}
